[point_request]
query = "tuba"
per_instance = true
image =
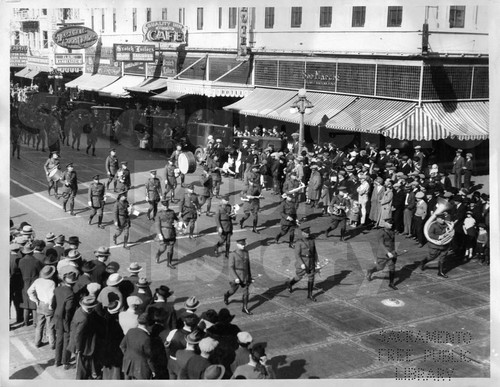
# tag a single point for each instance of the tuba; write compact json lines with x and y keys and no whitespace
{"x":443,"y":205}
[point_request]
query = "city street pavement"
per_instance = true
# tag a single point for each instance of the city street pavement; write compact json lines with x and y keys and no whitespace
{"x":429,"y":328}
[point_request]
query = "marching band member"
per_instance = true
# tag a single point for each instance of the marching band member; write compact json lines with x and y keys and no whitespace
{"x":170,"y":180}
{"x":96,"y":200}
{"x":288,"y":219}
{"x":224,"y":221}
{"x":164,"y":226}
{"x":50,"y":165}
{"x":337,"y":210}
{"x":190,"y":208}
{"x":70,"y":188}
{"x":436,"y":231}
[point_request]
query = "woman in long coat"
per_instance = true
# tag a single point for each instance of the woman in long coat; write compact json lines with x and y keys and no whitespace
{"x":377,"y":194}
{"x":385,"y":204}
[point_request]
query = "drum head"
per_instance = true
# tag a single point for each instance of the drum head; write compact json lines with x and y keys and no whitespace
{"x":187,"y":163}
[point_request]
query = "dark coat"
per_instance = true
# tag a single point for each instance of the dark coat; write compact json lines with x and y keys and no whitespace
{"x":30,"y":268}
{"x":170,"y":321}
{"x":239,"y":266}
{"x":196,"y":366}
{"x":109,"y":336}
{"x":136,"y":348}
{"x":99,"y":274}
{"x":83,"y":333}
{"x":64,"y":306}
{"x":224,"y":218}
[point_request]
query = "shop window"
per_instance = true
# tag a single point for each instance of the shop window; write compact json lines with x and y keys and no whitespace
{"x":457,"y":16}
{"x":199,"y":18}
{"x":44,"y":11}
{"x":232,"y":17}
{"x":394,"y":16}
{"x":269,"y":17}
{"x":17,"y":39}
{"x":325,"y":16}
{"x":358,"y":16}
{"x":296,"y":21}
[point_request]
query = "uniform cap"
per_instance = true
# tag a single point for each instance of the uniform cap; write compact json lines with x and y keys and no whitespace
{"x":242,"y":241}
{"x":95,"y":177}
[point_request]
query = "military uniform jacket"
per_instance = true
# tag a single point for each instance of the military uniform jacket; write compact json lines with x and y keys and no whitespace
{"x":214,"y":170}
{"x":305,"y":253}
{"x":112,"y":165}
{"x":50,"y":164}
{"x":96,"y":195}
{"x":239,"y":266}
{"x":153,"y":189}
{"x":224,"y":218}
{"x":125,"y":178}
{"x":175,"y":158}
{"x":70,"y":181}
{"x":288,"y":209}
{"x":339,"y":213}
{"x":122,"y":216}
{"x":289,"y":185}
{"x":207,"y":185}
{"x":252,"y":204}
{"x":170,"y":175}
{"x":435,"y":231}
{"x":164,"y":224}
{"x":189,"y":206}
{"x":386,"y":243}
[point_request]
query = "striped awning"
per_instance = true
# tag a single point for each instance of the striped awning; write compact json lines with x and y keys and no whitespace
{"x":118,"y":89}
{"x":168,"y":95}
{"x":369,"y":115}
{"x":209,"y":88}
{"x":22,"y":73}
{"x":89,"y":82}
{"x":325,"y":106}
{"x":149,"y":85}
{"x":416,"y":126}
{"x":262,"y":102}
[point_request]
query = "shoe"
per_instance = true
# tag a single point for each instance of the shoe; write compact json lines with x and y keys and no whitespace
{"x":170,"y":266}
{"x":241,"y":224}
{"x":254,"y":230}
{"x":90,"y":221}
{"x":246,"y":311}
{"x":441,"y":274}
{"x":72,"y":213}
{"x":291,"y":245}
{"x":393,"y":287}
{"x":310,"y":297}
{"x":368,"y":275}
{"x":226,"y":299}
{"x":101,"y":226}
{"x":289,"y":285}
{"x":114,"y":239}
{"x":69,"y":366}
{"x":126,"y":247}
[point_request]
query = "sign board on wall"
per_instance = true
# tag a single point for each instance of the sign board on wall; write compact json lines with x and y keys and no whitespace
{"x":18,"y":56}
{"x":134,"y":52}
{"x":167,"y":67}
{"x":165,"y":31}
{"x":242,"y":32}
{"x":75,"y":37}
{"x":68,"y":59}
{"x":107,"y":65}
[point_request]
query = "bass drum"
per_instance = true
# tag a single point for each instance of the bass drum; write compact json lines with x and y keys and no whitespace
{"x":55,"y":174}
{"x":187,"y":163}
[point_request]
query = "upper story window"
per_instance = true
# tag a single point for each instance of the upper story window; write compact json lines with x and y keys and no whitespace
{"x":220,"y":17}
{"x":102,"y":20}
{"x":134,"y":19}
{"x":457,"y":16}
{"x":232,"y":17}
{"x":296,"y":17}
{"x":44,"y":11}
{"x":17,"y":38}
{"x":269,"y":17}
{"x":148,"y":14}
{"x":199,"y":18}
{"x":358,"y":16}
{"x":164,"y":14}
{"x":325,"y":16}
{"x":182,"y":15}
{"x":45,"y":39}
{"x":92,"y":19}
{"x":394,"y":16}
{"x":114,"y":19}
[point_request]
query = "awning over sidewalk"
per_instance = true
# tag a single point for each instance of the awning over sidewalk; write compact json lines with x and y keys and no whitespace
{"x":262,"y":101}
{"x":150,"y":85}
{"x":89,"y":82}
{"x":168,"y":95}
{"x":22,"y":73}
{"x":209,"y":88}
{"x":118,"y":89}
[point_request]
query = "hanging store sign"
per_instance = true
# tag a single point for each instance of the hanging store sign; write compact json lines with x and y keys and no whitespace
{"x":165,"y":31}
{"x":166,"y":66}
{"x":18,"y":56}
{"x":68,"y":59}
{"x":134,"y":52}
{"x":242,"y":32}
{"x":75,"y":37}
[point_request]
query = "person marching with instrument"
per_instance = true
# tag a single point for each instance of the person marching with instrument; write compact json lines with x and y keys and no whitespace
{"x":306,"y":258}
{"x":206,"y":181}
{"x":112,"y":168}
{"x":386,"y":253}
{"x":293,"y":185}
{"x":439,"y":234}
{"x":164,"y":226}
{"x":288,"y":219}
{"x":124,"y":182}
{"x":239,"y":268}
{"x":153,"y":194}
{"x":170,"y":180}
{"x":70,"y":188}
{"x":175,"y":160}
{"x":224,"y":221}
{"x":337,"y":210}
{"x":190,"y":208}
{"x":122,"y":218}
{"x":96,"y":200}
{"x":52,"y":171}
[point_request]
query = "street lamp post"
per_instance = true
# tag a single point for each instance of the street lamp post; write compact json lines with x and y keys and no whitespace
{"x":302,"y":106}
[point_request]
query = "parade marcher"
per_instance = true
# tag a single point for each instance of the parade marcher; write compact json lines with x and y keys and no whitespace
{"x":76,"y":130}
{"x":30,"y":268}
{"x":224,"y":222}
{"x":165,"y":229}
{"x":124,"y":181}
{"x":153,"y":194}
{"x":207,"y":192}
{"x":288,"y":220}
{"x":337,"y":210}
{"x":252,"y":205}
{"x":239,"y":267}
{"x":122,"y":218}
{"x":386,"y":253}
{"x":170,"y":180}
{"x":436,"y":231}
{"x":458,"y":168}
{"x":189,"y":209}
{"x":112,"y":169}
{"x":213,"y":165}
{"x":96,"y":200}
{"x":91,"y":138}
{"x":50,"y":165}
{"x":175,"y":161}
{"x":291,"y":185}
{"x":70,"y":188}
{"x":306,"y":259}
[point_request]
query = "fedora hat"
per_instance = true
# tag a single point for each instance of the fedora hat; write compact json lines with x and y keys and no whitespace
{"x":50,"y":237}
{"x":112,"y":267}
{"x":27,"y":230}
{"x":214,"y":372}
{"x":74,"y":240}
{"x":93,"y":288}
{"x":102,"y":251}
{"x":143,"y":283}
{"x":114,"y":307}
{"x":114,"y":279}
{"x":47,"y":272}
{"x":51,"y":257}
{"x":70,"y":277}
{"x":194,"y":337}
{"x":28,"y":248}
{"x":73,"y":255}
{"x":164,"y":291}
{"x":89,"y":302}
{"x":225,"y":315}
{"x":191,"y":303}
{"x":134,"y":267}
{"x":88,"y":267}
{"x":21,"y":240}
{"x":60,"y":239}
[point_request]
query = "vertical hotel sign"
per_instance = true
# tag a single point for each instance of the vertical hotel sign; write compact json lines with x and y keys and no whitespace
{"x":242,"y":33}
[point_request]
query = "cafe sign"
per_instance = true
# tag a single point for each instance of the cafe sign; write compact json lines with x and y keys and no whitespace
{"x":134,"y":52}
{"x":75,"y":37}
{"x":164,"y":31}
{"x":18,"y":55}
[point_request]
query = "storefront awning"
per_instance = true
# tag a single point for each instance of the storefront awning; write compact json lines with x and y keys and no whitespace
{"x":168,"y":95}
{"x":262,"y":102}
{"x":32,"y":74}
{"x":209,"y":88}
{"x":149,"y":85}
{"x":325,"y":106}
{"x":369,"y":115}
{"x":23,"y":72}
{"x":118,"y":89}
{"x":89,"y":82}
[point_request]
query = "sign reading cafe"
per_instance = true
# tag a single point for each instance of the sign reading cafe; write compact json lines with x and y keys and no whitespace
{"x":75,"y":37}
{"x":164,"y":31}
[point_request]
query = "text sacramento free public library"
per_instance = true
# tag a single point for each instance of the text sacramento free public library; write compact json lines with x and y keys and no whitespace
{"x":438,"y":337}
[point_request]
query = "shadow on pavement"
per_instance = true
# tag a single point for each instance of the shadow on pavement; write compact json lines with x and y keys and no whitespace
{"x":30,"y":372}
{"x":406,"y":271}
{"x":294,"y":370}
{"x":332,"y":281}
{"x":268,"y":295}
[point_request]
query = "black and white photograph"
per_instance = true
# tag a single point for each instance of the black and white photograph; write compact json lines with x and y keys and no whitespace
{"x":273,"y":189}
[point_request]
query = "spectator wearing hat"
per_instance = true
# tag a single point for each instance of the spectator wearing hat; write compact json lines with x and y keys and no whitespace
{"x":158,"y":334}
{"x":406,"y":166}
{"x":410,"y":206}
{"x":59,"y":245}
{"x":224,"y":223}
{"x":192,"y":349}
{"x":337,"y":210}
{"x":306,"y":258}
{"x":288,"y":220}
{"x":256,"y":368}
{"x":80,"y":287}
{"x":50,"y":165}
{"x":189,"y":209}
{"x":41,"y":292}
{"x":16,"y":279}
{"x":83,"y":338}
{"x":470,"y":231}
{"x":112,"y":167}
{"x":482,"y":251}
{"x":38,"y":248}
{"x":109,"y":337}
{"x":468,"y":170}
{"x":398,"y":206}
{"x":196,"y":365}
{"x":419,"y":159}
{"x":239,"y":268}
{"x":419,"y":217}
{"x":27,"y":231}
{"x":30,"y":268}
{"x":208,"y":319}
{"x":74,"y":259}
{"x":99,"y":273}
{"x":165,"y":229}
{"x":375,"y":200}
{"x":170,"y":180}
{"x":458,"y":168}
{"x":96,"y":200}
{"x":122,"y":219}
{"x":160,"y":302}
{"x":128,"y":318}
{"x":241,"y":356}
{"x":314,"y":186}
{"x":143,"y":291}
{"x":385,"y":204}
{"x":137,"y":351}
{"x":70,"y":188}
{"x":49,"y":241}
{"x":153,"y":194}
{"x":64,"y":307}
{"x":112,"y":291}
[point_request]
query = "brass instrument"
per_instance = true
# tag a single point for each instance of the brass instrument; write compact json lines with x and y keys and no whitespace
{"x":443,"y":205}
{"x":301,"y":186}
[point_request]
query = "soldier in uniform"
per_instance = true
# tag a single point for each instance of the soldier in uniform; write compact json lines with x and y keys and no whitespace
{"x":337,"y":210}
{"x":175,"y":160}
{"x":51,"y":164}
{"x":112,"y":168}
{"x":239,"y":267}
{"x":122,"y":218}
{"x":190,"y":208}
{"x":96,"y":200}
{"x":288,"y":219}
{"x":252,"y":205}
{"x":170,"y":180}
{"x":153,"y":194}
{"x":124,"y":182}
{"x":206,"y":181}
{"x":306,"y":258}
{"x":77,"y":129}
{"x":70,"y":188}
{"x":91,"y":137}
{"x":213,"y":165}
{"x":164,"y":226}
{"x":436,"y":232}
{"x":386,"y":253}
{"x":292,"y":183}
{"x":224,"y":221}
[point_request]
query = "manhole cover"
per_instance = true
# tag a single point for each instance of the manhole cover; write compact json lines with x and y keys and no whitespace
{"x":393,"y":302}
